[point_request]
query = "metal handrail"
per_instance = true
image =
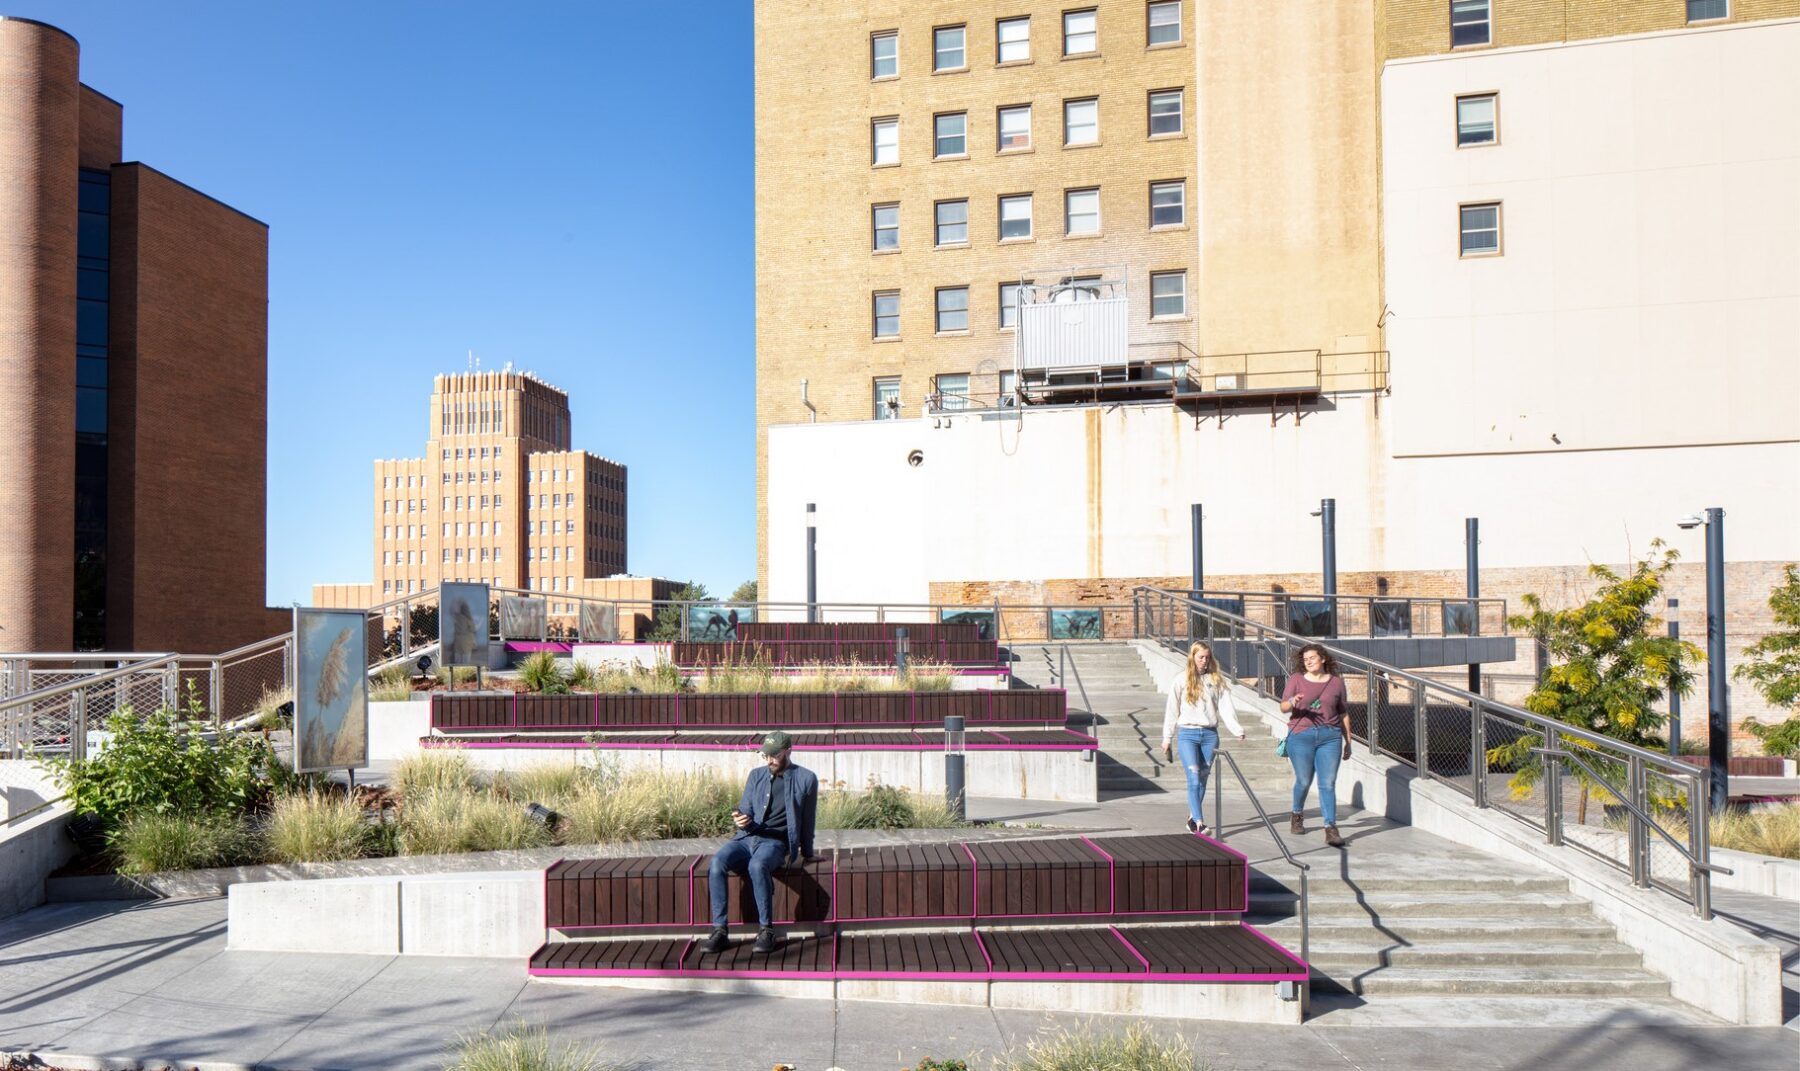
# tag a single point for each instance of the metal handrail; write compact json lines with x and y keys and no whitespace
{"x":1219,"y":825}
{"x":98,"y":677}
{"x":1267,"y":638}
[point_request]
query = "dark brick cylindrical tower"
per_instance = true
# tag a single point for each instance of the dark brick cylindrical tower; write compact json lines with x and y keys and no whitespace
{"x":40,"y":101}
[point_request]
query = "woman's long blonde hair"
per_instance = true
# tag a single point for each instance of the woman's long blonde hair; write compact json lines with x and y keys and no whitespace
{"x":1214,"y":680}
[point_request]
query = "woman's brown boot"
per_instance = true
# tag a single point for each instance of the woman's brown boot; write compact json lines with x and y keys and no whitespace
{"x":1333,"y":837}
{"x":1296,"y":824}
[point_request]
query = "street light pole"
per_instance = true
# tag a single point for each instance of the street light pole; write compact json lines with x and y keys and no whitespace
{"x":1718,"y":713}
{"x":812,"y":565}
{"x":1674,"y":696}
{"x":1328,"y":533}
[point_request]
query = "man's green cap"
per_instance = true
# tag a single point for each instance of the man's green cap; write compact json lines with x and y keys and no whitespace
{"x":776,"y":742}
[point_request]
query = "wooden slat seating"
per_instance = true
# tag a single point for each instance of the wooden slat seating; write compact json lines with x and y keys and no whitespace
{"x":824,"y":740}
{"x":829,"y":631}
{"x":520,"y":713}
{"x":1064,"y":909}
{"x":870,"y":652}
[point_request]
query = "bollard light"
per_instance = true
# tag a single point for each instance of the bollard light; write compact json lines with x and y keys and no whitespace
{"x":954,"y":780}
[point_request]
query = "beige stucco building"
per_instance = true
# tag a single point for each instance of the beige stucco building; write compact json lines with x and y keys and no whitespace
{"x":500,"y":496}
{"x":1525,"y":261}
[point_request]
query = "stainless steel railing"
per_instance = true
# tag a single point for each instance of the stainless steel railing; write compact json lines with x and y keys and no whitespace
{"x":1274,"y":835}
{"x":1532,"y":768}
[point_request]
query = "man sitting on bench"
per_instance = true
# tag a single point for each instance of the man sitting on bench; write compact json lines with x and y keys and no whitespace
{"x":774,"y":827}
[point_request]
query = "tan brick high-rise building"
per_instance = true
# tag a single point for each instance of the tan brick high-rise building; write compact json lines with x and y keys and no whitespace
{"x":500,"y":497}
{"x":133,"y":382}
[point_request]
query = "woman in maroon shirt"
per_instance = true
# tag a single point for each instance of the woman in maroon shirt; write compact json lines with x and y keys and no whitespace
{"x":1318,"y":734}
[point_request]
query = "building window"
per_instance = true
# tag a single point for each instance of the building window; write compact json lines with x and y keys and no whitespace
{"x":1081,"y":121}
{"x":886,"y":141}
{"x":1165,"y":112}
{"x":1168,"y":204}
{"x":1480,"y":229}
{"x":887,"y":314}
{"x":1707,"y":10}
{"x":887,"y":227}
{"x":1009,"y":306}
{"x":884,"y":55}
{"x":1015,"y":216}
{"x":887,"y":397}
{"x":948,"y":48}
{"x":1015,"y":127}
{"x":1477,"y":120}
{"x":953,"y":392}
{"x":952,"y":308}
{"x":952,"y":223}
{"x":1012,"y":40}
{"x":1079,"y":33}
{"x":1082,"y":212}
{"x":1471,"y":23}
{"x":1168,"y":294}
{"x":951,"y":134}
{"x":1165,"y":22}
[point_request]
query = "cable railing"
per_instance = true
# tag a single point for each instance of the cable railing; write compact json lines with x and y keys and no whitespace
{"x":1637,"y":810}
{"x":1364,"y":616}
{"x":58,"y":718}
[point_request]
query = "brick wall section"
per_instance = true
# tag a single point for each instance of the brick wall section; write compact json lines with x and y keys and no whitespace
{"x":40,"y":105}
{"x":1747,"y":587}
{"x":1422,"y":27}
{"x":102,"y":129}
{"x":188,"y":413}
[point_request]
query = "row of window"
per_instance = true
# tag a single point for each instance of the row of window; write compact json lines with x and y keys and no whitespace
{"x":460,"y":502}
{"x":1015,"y":216}
{"x":455,"y":554}
{"x":1163,"y":117}
{"x":950,"y":304}
{"x":1012,"y":39}
{"x":481,"y":528}
{"x":1472,"y":21}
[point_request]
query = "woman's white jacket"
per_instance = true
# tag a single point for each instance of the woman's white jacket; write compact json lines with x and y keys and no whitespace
{"x":1213,"y":707}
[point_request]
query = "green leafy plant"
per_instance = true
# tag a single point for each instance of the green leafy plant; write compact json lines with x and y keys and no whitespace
{"x":162,"y":764}
{"x":881,"y":806}
{"x":540,"y":672}
{"x":582,"y":676}
{"x":1772,"y":666}
{"x":268,"y":707}
{"x":391,"y":685}
{"x":522,"y":1048}
{"x":668,"y":619}
{"x":153,"y":842}
{"x":1771,"y":830}
{"x":1137,"y":1049}
{"x":1611,"y":666}
{"x":432,"y":770}
{"x":932,"y":1063}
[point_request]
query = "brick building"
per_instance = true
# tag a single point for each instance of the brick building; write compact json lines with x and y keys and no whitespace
{"x":500,"y":496}
{"x":1034,"y":278}
{"x":133,"y":376}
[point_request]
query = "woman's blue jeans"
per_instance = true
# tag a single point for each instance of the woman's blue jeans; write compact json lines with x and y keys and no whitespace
{"x":1317,"y":751}
{"x":1196,"y":747}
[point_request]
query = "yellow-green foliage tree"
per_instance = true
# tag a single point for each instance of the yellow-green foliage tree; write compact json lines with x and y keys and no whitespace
{"x":1611,"y":667}
{"x":1772,"y":666}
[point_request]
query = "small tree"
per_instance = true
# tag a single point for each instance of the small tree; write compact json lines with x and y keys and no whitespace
{"x":745,"y":592}
{"x":1772,"y":666}
{"x":1610,"y":668}
{"x":668,"y":619}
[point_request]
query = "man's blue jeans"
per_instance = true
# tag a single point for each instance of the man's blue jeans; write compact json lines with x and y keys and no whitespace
{"x":1317,"y":751}
{"x":1197,"y":746}
{"x":758,"y":857}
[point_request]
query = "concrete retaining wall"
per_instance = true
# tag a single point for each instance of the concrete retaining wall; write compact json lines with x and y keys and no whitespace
{"x":395,"y":729}
{"x":29,"y":851}
{"x":1763,"y":874}
{"x":491,"y":914}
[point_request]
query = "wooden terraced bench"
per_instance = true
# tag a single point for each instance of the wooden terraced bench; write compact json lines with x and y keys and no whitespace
{"x":1141,"y":911}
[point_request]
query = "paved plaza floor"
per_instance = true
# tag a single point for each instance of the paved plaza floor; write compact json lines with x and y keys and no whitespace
{"x":140,"y":983}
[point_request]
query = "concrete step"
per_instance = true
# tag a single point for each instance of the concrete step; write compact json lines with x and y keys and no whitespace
{"x":1338,"y":961}
{"x":1282,"y":880}
{"x":1500,"y":981}
{"x":1384,"y":907}
{"x":1425,"y":931}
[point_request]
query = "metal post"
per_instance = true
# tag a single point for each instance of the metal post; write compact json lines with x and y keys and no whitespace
{"x":1638,"y":839}
{"x":1718,"y":721}
{"x":953,"y":765}
{"x":900,"y":650}
{"x":1478,"y":753}
{"x":1421,"y":742}
{"x":1328,"y":533}
{"x":1199,"y":571}
{"x":1472,"y":564}
{"x":1368,"y":704}
{"x":1674,"y":696}
{"x":812,"y":564}
{"x":1553,"y":801}
{"x":216,"y":692}
{"x":1219,"y":805}
{"x":405,"y":629}
{"x":1700,"y":843}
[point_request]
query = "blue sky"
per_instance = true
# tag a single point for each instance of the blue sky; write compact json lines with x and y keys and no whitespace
{"x":567,"y":186}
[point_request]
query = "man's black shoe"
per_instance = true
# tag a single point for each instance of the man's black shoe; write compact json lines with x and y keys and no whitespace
{"x":718,"y":942}
{"x":765,"y":942}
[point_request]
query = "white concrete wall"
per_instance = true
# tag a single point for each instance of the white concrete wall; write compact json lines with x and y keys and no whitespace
{"x":1648,"y":294}
{"x":497,"y":914}
{"x":29,"y":851}
{"x":395,"y":729}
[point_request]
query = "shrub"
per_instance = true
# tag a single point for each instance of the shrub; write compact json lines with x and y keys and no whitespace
{"x":598,"y":817}
{"x":391,"y":685}
{"x":1137,"y":1049}
{"x":464,"y":674}
{"x":541,"y":673}
{"x":925,"y":676}
{"x":150,"y":842}
{"x":316,"y":828}
{"x":1781,"y":739}
{"x":687,"y":804}
{"x":883,"y":807}
{"x":445,"y":821}
{"x":521,"y":1048}
{"x":159,"y":765}
{"x":931,"y":1063}
{"x":541,"y":784}
{"x":1764,"y":830}
{"x":268,"y":707}
{"x":436,"y":769}
{"x":582,"y":676}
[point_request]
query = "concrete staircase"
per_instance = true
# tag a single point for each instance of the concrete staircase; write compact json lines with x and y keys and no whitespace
{"x":1400,"y":915}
